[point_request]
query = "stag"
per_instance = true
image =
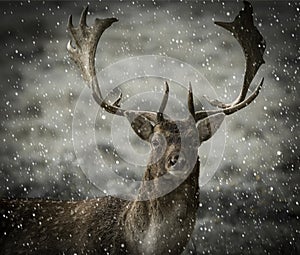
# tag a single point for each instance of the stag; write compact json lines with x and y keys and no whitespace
{"x":157,"y":224}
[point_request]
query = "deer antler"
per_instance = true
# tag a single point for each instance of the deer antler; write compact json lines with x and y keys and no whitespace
{"x":86,"y":40}
{"x":253,"y":45}
{"x":83,"y":53}
{"x":243,"y":29}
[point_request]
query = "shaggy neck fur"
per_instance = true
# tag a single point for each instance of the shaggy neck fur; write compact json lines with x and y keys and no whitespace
{"x":163,"y":224}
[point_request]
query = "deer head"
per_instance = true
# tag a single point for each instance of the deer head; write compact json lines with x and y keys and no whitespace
{"x":174,"y":143}
{"x":150,"y":224}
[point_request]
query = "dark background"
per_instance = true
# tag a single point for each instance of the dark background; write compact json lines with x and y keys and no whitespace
{"x":251,"y":206}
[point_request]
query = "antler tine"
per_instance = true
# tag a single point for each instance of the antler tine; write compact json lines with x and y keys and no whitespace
{"x":70,"y":22}
{"x":253,"y":45}
{"x":165,"y":99}
{"x":70,"y":48}
{"x":82,"y":21}
{"x":191,"y":100}
{"x":118,"y":100}
{"x":203,"y":114}
{"x":163,"y":103}
{"x":246,"y":102}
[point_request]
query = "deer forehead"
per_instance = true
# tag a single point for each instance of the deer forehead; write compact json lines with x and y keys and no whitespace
{"x":177,"y":132}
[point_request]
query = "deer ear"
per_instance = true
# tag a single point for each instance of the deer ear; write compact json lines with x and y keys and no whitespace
{"x":208,"y":126}
{"x":141,"y":125}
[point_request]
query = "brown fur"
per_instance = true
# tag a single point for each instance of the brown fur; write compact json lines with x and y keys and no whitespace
{"x":98,"y":226}
{"x":160,"y":224}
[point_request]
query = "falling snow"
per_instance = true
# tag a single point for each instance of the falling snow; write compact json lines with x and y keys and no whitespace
{"x":252,"y":204}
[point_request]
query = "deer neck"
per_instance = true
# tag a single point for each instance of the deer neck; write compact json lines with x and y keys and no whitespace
{"x":147,"y":221}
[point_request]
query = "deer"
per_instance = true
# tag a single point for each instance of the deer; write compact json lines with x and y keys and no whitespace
{"x":151,"y":223}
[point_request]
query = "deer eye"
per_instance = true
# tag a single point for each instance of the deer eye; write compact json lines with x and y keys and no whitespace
{"x":173,"y":160}
{"x":155,"y":143}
